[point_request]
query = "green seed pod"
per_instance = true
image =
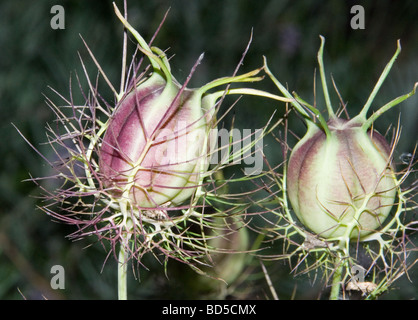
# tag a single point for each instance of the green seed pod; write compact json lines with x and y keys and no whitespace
{"x":340,"y":179}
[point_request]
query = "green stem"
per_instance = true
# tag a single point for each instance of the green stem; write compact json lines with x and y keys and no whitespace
{"x":141,"y":41}
{"x":156,"y":61}
{"x":388,"y":106}
{"x":363,"y":113}
{"x":122,"y":272}
{"x":318,"y":115}
{"x":253,"y":92}
{"x":246,"y":77}
{"x":336,"y":278}
{"x":286,"y":93}
{"x":323,"y":79}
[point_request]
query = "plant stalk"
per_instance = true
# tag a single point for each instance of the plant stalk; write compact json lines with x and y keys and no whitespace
{"x":122,"y":272}
{"x":336,"y":279}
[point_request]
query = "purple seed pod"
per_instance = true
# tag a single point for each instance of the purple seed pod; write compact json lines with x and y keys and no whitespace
{"x":157,"y":143}
{"x":135,"y":171}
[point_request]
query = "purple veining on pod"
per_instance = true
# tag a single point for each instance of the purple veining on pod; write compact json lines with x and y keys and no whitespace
{"x":156,"y":142}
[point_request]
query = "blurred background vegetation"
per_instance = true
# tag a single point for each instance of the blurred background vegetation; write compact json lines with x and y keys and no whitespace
{"x":34,"y":56}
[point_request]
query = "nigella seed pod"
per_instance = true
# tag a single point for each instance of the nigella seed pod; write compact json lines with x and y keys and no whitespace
{"x":340,"y":179}
{"x":135,"y":172}
{"x":157,"y":142}
{"x":340,"y":204}
{"x":343,"y":181}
